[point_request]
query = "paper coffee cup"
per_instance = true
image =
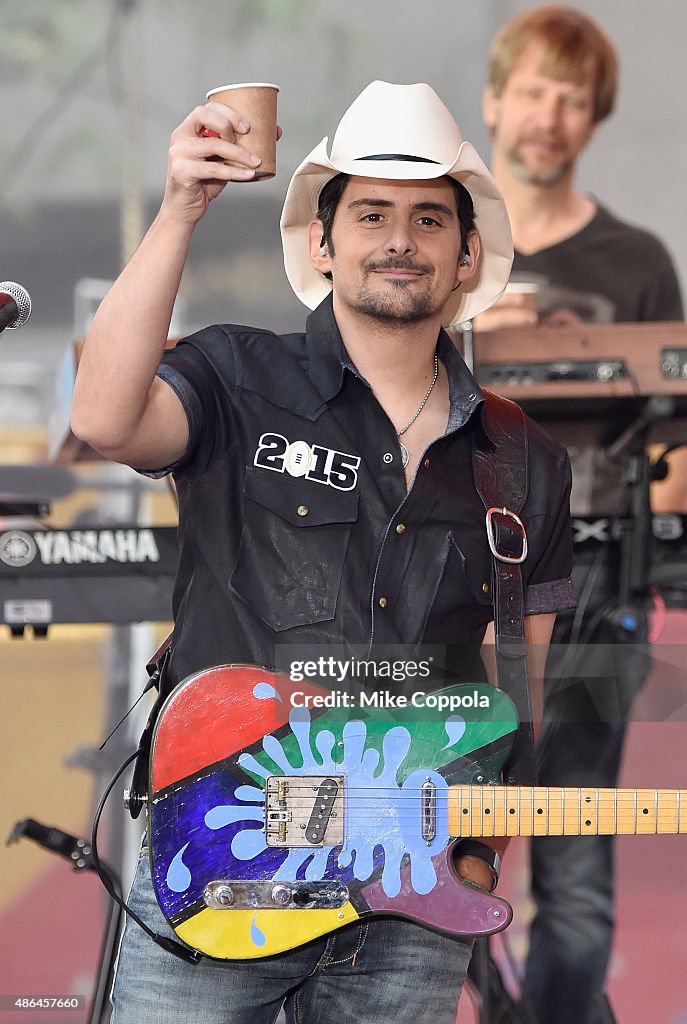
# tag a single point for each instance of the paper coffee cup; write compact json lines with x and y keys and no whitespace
{"x":528,"y":290}
{"x":257,"y":102}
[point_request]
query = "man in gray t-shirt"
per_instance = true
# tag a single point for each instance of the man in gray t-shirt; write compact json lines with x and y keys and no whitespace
{"x":552,"y":80}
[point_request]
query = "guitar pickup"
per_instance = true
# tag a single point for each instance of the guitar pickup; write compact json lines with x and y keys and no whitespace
{"x":429,"y":811}
{"x":304,"y":810}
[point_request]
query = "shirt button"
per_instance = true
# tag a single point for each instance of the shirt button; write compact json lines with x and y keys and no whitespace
{"x":401,"y":528}
{"x":387,"y":458}
{"x":426,"y":463}
{"x":383,"y":602}
{"x":303,"y":510}
{"x":485,"y":588}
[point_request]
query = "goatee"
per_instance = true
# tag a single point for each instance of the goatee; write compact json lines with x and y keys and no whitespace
{"x":400,"y":304}
{"x":530,"y":177}
{"x":395,"y":308}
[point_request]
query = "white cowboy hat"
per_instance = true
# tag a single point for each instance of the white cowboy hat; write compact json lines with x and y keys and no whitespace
{"x":410,"y":124}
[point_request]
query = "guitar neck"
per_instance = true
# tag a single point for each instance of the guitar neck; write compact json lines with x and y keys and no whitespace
{"x":539,"y":810}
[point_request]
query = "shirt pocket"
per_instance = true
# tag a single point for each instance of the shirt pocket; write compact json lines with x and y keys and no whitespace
{"x":293,"y":546}
{"x":472,"y":572}
{"x":461,"y":604}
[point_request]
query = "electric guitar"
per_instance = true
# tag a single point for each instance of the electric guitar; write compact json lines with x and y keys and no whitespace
{"x":276,"y":816}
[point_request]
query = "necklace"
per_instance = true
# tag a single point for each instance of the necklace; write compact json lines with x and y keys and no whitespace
{"x":405,"y":457}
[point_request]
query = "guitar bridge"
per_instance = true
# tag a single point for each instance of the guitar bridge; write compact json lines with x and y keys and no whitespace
{"x":304,"y":810}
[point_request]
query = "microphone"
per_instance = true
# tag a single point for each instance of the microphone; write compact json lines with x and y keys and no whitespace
{"x":78,"y":851}
{"x":15,"y":305}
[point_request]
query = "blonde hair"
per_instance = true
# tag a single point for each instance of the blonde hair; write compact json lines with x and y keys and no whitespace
{"x":574,"y":48}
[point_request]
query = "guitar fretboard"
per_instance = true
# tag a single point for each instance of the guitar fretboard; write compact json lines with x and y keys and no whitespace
{"x":539,"y":810}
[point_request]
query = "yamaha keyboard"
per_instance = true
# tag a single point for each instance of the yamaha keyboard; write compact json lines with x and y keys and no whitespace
{"x":118,"y":575}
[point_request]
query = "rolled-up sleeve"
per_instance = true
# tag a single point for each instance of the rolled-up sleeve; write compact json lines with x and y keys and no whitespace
{"x":188,"y":371}
{"x":548,"y":586}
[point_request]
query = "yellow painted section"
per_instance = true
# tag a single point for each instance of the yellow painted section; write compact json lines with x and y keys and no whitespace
{"x":226,"y":934}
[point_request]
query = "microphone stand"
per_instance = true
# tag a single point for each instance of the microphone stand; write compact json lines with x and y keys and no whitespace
{"x":78,"y":852}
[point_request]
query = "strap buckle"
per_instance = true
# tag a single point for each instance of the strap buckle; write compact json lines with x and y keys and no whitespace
{"x":493,"y":540}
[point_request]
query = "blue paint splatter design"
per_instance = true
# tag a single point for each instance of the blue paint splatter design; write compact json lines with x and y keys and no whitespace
{"x":379,"y":813}
{"x":178,"y":875}
{"x":265,"y":691}
{"x":455,"y":730}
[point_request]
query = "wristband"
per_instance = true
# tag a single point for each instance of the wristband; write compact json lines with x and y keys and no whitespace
{"x":473,"y":848}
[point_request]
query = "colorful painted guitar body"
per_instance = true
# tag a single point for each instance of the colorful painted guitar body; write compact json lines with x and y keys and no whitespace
{"x":271,"y":824}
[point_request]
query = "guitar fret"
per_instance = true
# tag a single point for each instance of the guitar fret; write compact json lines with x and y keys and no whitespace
{"x":571,"y":812}
{"x":539,"y":825}
{"x":615,"y":811}
{"x":481,"y":810}
{"x":644,"y":823}
{"x":525,"y":810}
{"x":476,"y":812}
{"x":627,"y":822}
{"x":557,"y":814}
{"x":606,"y":815}
{"x":668,"y":811}
{"x":489,"y":814}
{"x":467,"y":811}
{"x":500,"y":811}
{"x":548,"y":816}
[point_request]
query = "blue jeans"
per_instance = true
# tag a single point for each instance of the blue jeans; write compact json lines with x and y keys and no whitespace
{"x":386,"y":971}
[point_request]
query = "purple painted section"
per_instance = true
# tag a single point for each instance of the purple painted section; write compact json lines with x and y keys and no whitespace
{"x":451,"y":906}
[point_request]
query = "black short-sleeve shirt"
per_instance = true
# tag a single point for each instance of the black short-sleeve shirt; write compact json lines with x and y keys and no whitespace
{"x":296,"y":526}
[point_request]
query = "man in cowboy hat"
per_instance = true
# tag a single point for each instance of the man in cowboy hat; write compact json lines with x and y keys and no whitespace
{"x":325,"y":486}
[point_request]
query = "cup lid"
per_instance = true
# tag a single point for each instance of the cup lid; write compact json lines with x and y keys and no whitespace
{"x":241,"y":85}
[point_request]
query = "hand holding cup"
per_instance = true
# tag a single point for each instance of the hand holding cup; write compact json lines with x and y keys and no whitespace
{"x":209,"y":149}
{"x":256,"y":102}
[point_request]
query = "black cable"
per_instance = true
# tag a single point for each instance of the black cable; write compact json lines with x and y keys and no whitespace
{"x":189,"y":956}
{"x":152,"y":682}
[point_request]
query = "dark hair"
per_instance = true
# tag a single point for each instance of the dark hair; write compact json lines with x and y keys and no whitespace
{"x":331,"y":194}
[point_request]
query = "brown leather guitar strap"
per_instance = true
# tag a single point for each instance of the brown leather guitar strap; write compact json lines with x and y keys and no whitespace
{"x":499,"y":465}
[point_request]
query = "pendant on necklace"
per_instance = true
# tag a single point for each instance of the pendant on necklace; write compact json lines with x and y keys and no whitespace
{"x":405,"y":457}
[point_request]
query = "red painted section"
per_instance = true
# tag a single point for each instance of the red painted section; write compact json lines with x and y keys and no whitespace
{"x":215,"y":715}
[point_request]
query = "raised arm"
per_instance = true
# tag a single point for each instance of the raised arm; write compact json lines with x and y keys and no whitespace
{"x":120,"y":407}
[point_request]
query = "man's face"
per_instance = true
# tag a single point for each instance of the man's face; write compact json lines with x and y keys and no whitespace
{"x":396,"y":248}
{"x":539,"y":124}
